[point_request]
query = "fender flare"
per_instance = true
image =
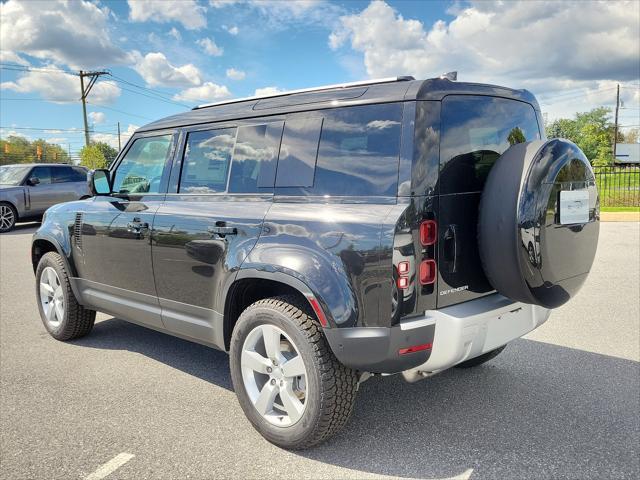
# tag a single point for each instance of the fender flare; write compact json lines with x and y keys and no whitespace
{"x":290,"y":279}
{"x":68,"y":264}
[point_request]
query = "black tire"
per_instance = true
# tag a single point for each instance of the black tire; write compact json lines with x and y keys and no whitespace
{"x":77,"y":320}
{"x":332,"y":385}
{"x":12,"y":217}
{"x":484,"y":358}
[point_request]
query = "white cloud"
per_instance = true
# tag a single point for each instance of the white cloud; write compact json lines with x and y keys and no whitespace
{"x":56,"y":85}
{"x":112,"y":139}
{"x":231,"y":30}
{"x":157,"y":71}
{"x":73,"y":33}
{"x":223,"y":3}
{"x":210,"y":47}
{"x":206,"y":92}
{"x":97,"y":117}
{"x":187,"y":12}
{"x":175,"y":33}
{"x":234,"y":74}
{"x":543,"y":46}
{"x":11,"y":57}
{"x":57,"y":140}
{"x":260,"y":92}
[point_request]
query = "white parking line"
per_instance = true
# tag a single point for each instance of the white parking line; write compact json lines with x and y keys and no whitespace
{"x":111,"y":466}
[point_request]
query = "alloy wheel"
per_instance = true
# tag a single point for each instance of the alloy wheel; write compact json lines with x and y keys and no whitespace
{"x":7,"y":217}
{"x":51,"y":297}
{"x":274,"y":375}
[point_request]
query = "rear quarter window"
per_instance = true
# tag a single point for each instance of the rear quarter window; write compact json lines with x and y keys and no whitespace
{"x":350,"y":151}
{"x":475,"y":131}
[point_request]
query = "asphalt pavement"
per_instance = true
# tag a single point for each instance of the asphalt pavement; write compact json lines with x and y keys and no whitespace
{"x":130,"y":403}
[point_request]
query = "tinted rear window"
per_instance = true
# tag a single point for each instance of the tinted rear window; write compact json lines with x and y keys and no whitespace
{"x":359,"y":149}
{"x":350,"y":151}
{"x":253,"y":168}
{"x":475,"y":132}
{"x":298,"y":151}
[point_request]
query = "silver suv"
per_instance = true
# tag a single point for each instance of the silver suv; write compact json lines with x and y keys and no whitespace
{"x":27,"y":190}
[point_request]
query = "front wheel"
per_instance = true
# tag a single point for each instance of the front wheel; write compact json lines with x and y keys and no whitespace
{"x":8,"y":217}
{"x":289,"y":384}
{"x":62,"y":315}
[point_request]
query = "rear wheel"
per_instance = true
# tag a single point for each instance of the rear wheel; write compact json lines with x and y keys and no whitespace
{"x":288,"y":382}
{"x":62,"y":315}
{"x":8,"y":217}
{"x":484,"y":358}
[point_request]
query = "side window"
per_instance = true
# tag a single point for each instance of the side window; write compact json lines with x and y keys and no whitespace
{"x":78,"y":174}
{"x":140,"y":171}
{"x":359,"y":151}
{"x":42,"y":173}
{"x":62,"y":174}
{"x":254,"y":158}
{"x":206,"y":161}
{"x":298,"y":151}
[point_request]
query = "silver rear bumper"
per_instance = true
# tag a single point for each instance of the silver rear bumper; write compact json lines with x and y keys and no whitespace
{"x":469,"y":329}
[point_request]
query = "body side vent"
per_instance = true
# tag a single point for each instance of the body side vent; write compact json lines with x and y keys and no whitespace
{"x":77,"y":230}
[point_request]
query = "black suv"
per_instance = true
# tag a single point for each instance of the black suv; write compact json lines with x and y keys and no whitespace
{"x":324,"y":235}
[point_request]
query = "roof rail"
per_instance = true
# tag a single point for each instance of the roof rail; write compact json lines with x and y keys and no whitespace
{"x":313,"y":89}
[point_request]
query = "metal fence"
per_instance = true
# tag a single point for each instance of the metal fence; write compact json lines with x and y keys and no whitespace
{"x":618,"y":185}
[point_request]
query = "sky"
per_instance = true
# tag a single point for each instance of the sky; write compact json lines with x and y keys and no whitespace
{"x":167,"y":56}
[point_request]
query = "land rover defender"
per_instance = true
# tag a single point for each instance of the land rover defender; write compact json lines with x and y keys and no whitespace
{"x":396,"y":226}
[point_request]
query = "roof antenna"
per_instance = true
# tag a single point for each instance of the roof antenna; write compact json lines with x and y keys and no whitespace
{"x":453,"y":76}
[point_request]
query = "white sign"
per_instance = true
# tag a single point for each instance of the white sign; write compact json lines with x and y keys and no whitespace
{"x":574,"y":206}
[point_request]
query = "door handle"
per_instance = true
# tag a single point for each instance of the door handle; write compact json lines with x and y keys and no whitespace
{"x":222,"y":230}
{"x":451,"y":247}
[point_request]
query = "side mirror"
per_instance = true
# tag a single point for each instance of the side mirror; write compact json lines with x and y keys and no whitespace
{"x":99,"y":182}
{"x":33,"y":181}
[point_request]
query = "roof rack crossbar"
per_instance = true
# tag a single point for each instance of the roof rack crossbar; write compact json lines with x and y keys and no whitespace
{"x":313,"y":89}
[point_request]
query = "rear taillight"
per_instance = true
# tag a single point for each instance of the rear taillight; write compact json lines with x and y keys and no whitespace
{"x":403,"y":282}
{"x":415,"y":348}
{"x":428,"y":272}
{"x":428,"y":232}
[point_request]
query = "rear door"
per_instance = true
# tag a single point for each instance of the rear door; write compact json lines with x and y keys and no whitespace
{"x":69,"y":182}
{"x":475,"y":131}
{"x":222,"y":188}
{"x":44,"y":194}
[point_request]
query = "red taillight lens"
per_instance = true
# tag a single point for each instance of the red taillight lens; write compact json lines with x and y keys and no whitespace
{"x":403,"y":268}
{"x":415,"y":348}
{"x":428,"y":232}
{"x":428,"y":272}
{"x":403,"y":282}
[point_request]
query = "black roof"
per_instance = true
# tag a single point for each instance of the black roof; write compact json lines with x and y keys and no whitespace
{"x":390,"y":91}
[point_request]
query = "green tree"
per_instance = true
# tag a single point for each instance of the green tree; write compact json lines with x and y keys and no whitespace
{"x":592,"y":131}
{"x":516,"y":135}
{"x":16,"y":149}
{"x":108,"y":151}
{"x":92,"y":157}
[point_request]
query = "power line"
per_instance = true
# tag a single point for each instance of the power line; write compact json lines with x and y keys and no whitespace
{"x":123,"y":112}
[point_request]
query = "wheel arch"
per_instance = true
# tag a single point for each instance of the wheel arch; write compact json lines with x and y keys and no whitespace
{"x":252,"y":285}
{"x":43,"y":244}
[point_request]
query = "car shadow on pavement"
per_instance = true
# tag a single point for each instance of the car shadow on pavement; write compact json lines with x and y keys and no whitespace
{"x":536,"y":411}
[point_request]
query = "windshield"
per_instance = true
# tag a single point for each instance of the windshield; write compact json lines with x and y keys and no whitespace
{"x":13,"y":174}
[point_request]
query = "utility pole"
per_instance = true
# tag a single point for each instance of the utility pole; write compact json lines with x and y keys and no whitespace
{"x":93,"y":77}
{"x":615,"y":134}
{"x":119,"y":145}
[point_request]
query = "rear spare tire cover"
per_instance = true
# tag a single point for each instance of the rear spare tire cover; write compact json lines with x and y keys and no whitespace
{"x":538,"y":223}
